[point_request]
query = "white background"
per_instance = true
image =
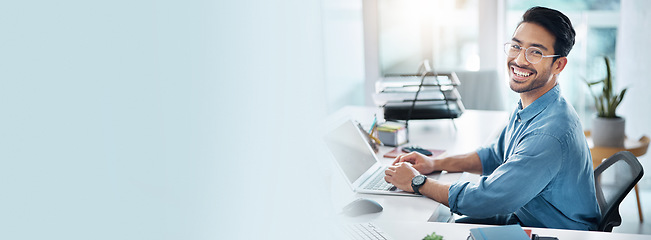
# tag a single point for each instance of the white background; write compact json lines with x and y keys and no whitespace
{"x":191,"y":119}
{"x":160,"y":119}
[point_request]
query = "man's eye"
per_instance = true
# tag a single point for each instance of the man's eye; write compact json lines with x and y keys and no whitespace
{"x":536,"y":52}
{"x":516,"y":47}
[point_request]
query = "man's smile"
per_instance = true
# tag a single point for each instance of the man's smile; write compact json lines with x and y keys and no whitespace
{"x":520,"y":74}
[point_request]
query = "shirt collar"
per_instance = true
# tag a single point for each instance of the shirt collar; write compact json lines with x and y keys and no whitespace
{"x":538,"y":105}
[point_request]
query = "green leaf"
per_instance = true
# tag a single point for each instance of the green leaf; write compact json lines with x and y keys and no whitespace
{"x":621,"y":96}
{"x":590,"y":89}
{"x":594,"y":83}
{"x":618,"y":99}
{"x":433,"y":236}
{"x":608,"y":86}
{"x":612,"y":106}
{"x":600,"y":107}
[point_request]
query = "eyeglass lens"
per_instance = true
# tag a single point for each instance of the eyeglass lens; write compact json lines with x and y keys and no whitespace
{"x":532,"y":54}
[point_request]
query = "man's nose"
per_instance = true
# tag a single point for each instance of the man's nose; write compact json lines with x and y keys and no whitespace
{"x":521,"y":59}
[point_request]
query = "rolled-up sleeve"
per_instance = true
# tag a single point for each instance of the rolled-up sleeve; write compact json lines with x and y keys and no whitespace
{"x":489,"y":160}
{"x":511,"y":185}
{"x":491,"y":156}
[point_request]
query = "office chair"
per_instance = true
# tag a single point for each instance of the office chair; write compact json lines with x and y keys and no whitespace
{"x":628,"y":171}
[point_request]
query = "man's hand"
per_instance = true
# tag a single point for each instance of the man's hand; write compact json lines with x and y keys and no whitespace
{"x":400,"y":175}
{"x":420,"y":162}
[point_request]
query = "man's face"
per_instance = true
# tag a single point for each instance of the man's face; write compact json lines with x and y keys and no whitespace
{"x":525,"y":76}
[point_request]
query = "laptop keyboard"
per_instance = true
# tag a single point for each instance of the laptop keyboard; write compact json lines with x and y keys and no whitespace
{"x":365,"y":231}
{"x":378,"y":183}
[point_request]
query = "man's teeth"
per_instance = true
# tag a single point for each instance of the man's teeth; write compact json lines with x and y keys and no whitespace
{"x":521,"y":74}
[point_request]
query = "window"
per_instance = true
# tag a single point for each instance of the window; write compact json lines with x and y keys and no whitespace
{"x":444,"y":32}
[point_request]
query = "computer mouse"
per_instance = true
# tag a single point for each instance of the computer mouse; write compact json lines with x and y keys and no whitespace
{"x":361,"y":206}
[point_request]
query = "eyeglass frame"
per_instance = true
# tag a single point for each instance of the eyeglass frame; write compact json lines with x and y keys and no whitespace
{"x":543,"y":56}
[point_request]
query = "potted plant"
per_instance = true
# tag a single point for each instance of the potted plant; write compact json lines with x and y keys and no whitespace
{"x":608,"y":129}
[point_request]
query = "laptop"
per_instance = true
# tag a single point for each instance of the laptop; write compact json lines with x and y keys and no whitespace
{"x":357,"y":161}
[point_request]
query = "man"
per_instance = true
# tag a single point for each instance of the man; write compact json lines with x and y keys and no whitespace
{"x":538,"y":173}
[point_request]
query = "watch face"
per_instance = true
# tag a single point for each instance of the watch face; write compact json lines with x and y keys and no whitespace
{"x":418,"y":180}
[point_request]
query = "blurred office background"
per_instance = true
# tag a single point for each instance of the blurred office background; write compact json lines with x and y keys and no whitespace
{"x":199,"y":119}
{"x":466,"y":36}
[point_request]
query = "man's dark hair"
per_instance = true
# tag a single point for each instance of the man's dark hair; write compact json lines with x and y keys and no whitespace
{"x":556,"y":23}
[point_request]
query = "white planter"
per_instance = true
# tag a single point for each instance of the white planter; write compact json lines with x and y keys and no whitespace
{"x":608,"y":132}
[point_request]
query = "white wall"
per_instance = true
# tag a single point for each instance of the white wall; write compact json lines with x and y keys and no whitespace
{"x":633,"y":64}
{"x":343,"y":54}
{"x":160,"y":119}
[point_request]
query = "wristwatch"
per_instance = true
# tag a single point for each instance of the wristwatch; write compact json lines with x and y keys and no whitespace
{"x":417,"y":182}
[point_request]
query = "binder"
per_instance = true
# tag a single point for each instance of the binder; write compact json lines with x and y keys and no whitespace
{"x":507,"y":232}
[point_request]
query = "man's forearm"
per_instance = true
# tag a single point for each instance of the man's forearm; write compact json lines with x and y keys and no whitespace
{"x":436,"y":190}
{"x":469,"y":162}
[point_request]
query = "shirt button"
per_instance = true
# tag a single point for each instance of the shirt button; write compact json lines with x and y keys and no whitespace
{"x":519,"y":120}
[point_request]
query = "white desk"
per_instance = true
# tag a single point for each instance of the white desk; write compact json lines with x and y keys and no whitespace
{"x":407,"y":217}
{"x":474,"y":129}
{"x":418,"y":230}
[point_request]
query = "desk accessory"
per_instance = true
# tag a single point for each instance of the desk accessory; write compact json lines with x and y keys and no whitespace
{"x":417,"y":149}
{"x":373,"y":125}
{"x":361,"y":206}
{"x":507,"y":232}
{"x":392,"y":133}
{"x":372,"y":135}
{"x":372,"y":141}
{"x":398,"y":150}
{"x":365,"y":230}
{"x":537,"y":237}
{"x":426,"y":95}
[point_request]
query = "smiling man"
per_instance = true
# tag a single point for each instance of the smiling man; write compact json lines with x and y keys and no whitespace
{"x":538,"y":173}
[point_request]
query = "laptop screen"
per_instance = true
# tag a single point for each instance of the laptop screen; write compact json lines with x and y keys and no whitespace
{"x":350,"y":149}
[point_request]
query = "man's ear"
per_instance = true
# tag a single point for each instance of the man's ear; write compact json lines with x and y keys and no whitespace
{"x":559,"y":65}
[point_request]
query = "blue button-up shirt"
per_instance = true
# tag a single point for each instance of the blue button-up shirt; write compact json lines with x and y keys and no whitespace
{"x":540,"y":168}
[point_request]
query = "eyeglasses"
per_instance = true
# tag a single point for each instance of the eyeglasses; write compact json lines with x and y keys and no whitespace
{"x":532,"y":54}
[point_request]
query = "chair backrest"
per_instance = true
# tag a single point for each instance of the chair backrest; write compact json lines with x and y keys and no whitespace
{"x":624,"y":171}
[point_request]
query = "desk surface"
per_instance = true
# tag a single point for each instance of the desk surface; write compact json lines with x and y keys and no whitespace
{"x":418,"y":230}
{"x":407,"y":217}
{"x":473,"y":129}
